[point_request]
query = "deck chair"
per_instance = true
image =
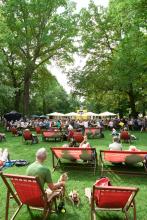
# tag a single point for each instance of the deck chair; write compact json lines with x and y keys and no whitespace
{"x":14,"y":131}
{"x":105,"y":197}
{"x":124,"y":136}
{"x":27,"y":190}
{"x":29,"y":137}
{"x":78,"y":137}
{"x":38,"y":130}
{"x":2,"y":137}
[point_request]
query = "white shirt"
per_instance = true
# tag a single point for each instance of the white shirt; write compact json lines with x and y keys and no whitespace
{"x":98,"y":124}
{"x":70,"y":127}
{"x":85,"y":123}
{"x":111,"y":124}
{"x":115,"y":146}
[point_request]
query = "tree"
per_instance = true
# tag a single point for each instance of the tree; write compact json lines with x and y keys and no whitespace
{"x":114,"y":42}
{"x":6,"y":96}
{"x":38,"y":31}
{"x":47,"y":94}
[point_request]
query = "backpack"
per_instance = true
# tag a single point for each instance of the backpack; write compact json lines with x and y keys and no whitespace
{"x":20,"y":163}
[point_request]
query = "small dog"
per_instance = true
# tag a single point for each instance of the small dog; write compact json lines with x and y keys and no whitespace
{"x":63,"y":177}
{"x":74,"y":198}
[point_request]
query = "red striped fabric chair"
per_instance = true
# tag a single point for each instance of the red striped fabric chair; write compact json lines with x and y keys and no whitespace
{"x":125,"y":136}
{"x":105,"y":197}
{"x":38,"y":130}
{"x":29,"y":137}
{"x":26,"y":190}
{"x":78,"y":137}
{"x":14,"y":131}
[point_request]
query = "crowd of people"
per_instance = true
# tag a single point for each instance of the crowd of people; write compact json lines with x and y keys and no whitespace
{"x":38,"y":168}
{"x":139,"y":124}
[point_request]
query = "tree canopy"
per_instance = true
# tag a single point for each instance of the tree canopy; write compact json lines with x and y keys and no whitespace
{"x":112,"y":40}
{"x":34,"y":33}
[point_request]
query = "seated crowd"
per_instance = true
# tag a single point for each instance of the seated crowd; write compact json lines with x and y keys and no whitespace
{"x":46,"y":123}
{"x":38,"y":168}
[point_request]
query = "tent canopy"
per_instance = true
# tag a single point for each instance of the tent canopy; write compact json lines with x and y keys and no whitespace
{"x":91,"y":114}
{"x":34,"y":116}
{"x":74,"y":114}
{"x":13,"y":115}
{"x":42,"y":116}
{"x":71,"y":114}
{"x":56,"y":114}
{"x":106,"y":114}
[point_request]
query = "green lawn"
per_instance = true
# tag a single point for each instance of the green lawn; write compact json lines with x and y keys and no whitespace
{"x":78,"y":179}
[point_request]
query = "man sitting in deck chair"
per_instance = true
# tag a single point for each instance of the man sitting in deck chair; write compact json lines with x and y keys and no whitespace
{"x":38,"y":169}
{"x":115,"y":145}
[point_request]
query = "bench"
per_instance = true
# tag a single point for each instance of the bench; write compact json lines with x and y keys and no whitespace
{"x":92,"y":133}
{"x":52,"y":135}
{"x":74,"y":157}
{"x":122,"y":162}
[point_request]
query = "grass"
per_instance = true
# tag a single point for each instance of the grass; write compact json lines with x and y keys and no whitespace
{"x":78,"y":179}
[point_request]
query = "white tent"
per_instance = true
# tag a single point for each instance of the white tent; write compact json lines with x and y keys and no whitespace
{"x":106,"y":114}
{"x":71,"y":114}
{"x":74,"y":114}
{"x":56,"y":114}
{"x":91,"y":114}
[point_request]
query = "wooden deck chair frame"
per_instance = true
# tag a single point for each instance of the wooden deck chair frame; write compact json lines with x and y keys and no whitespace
{"x":13,"y":194}
{"x":52,"y":135}
{"x":102,"y":162}
{"x":130,"y":203}
{"x":26,"y":140}
{"x":125,"y":139}
{"x":57,"y":162}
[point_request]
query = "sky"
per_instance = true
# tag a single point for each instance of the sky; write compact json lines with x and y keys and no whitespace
{"x":57,"y":71}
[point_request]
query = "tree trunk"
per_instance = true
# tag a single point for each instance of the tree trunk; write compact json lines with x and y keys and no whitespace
{"x":16,"y":86}
{"x":44,"y":106}
{"x":27,"y":81}
{"x":132,"y":101}
{"x":17,"y":100}
{"x":143,"y":109}
{"x":26,"y":95}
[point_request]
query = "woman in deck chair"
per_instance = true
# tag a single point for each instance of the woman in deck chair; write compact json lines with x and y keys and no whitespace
{"x":38,"y":169}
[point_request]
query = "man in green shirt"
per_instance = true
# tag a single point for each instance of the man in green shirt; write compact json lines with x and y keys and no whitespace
{"x":38,"y":169}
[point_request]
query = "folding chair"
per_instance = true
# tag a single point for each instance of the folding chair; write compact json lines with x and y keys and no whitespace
{"x":113,"y":198}
{"x":28,"y":136}
{"x":14,"y":131}
{"x":124,"y":136}
{"x":27,"y":190}
{"x":38,"y":130}
{"x":2,"y":137}
{"x":78,"y":137}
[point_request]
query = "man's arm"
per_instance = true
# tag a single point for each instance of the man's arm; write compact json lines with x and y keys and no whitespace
{"x":54,"y":186}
